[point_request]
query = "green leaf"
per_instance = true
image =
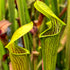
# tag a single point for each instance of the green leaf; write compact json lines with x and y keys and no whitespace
{"x":20,"y":32}
{"x":44,"y":9}
{"x":11,"y":9}
{"x":2,"y":53}
{"x":2,"y":9}
{"x":24,"y":19}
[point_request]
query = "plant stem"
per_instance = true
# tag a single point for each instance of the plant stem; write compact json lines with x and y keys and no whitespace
{"x":68,"y":38}
{"x":3,"y":52}
{"x":11,"y":6}
{"x":34,"y":48}
{"x":62,"y":12}
{"x":2,"y":9}
{"x":12,"y":16}
{"x":54,"y":6}
{"x":24,"y":19}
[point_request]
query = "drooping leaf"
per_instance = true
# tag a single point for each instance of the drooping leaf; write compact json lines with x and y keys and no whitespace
{"x":20,"y":32}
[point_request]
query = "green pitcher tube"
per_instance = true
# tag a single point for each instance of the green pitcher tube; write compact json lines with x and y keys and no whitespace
{"x":50,"y":36}
{"x":49,"y":51}
{"x":50,"y":39}
{"x":19,"y":58}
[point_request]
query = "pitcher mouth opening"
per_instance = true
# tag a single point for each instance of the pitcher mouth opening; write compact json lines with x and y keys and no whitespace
{"x":19,"y":51}
{"x":54,"y":28}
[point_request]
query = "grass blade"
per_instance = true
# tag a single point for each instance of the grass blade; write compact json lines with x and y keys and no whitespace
{"x":68,"y":38}
{"x":3,"y":52}
{"x":24,"y":19}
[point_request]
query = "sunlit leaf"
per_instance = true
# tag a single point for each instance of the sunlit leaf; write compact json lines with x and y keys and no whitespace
{"x":20,"y":32}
